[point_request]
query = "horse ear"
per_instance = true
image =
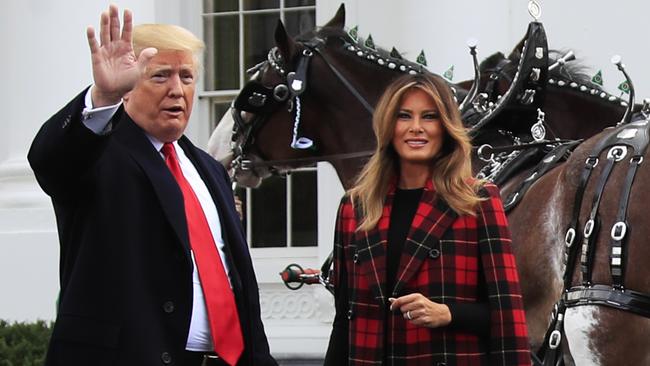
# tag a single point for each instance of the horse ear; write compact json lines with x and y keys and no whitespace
{"x":515,"y":54}
{"x":283,"y":40}
{"x":491,"y":61}
{"x":339,"y":18}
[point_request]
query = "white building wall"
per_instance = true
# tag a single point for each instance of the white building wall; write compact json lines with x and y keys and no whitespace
{"x":46,"y":62}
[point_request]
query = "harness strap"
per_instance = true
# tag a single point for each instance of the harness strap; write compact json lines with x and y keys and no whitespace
{"x":592,"y":226}
{"x":620,"y":228}
{"x":345,"y":82}
{"x":552,"y":159}
{"x":628,"y":300}
{"x":551,"y":352}
{"x":487,"y":149}
{"x":495,"y":74}
{"x":308,"y":160}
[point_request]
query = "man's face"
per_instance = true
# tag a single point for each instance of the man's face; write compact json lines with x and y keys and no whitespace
{"x":161,"y":101}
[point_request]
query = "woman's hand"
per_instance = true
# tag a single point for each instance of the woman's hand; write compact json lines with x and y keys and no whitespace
{"x":421,"y":311}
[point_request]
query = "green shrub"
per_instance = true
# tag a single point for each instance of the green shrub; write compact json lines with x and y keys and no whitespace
{"x":24,"y":344}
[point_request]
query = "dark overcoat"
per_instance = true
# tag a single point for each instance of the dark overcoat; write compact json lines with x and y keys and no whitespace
{"x":448,"y":258}
{"x":125,"y":263}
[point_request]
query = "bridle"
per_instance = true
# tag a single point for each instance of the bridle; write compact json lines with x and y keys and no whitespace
{"x":262,"y":101}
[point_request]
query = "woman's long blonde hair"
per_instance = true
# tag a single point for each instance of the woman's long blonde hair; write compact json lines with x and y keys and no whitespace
{"x":452,"y":167}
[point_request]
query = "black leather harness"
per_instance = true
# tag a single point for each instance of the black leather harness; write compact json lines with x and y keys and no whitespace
{"x":635,"y":137}
{"x":558,"y":153}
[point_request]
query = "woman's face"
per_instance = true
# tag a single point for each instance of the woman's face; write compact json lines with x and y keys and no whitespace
{"x":419,"y":132}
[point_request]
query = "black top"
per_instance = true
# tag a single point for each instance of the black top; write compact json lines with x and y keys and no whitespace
{"x":405,"y":204}
{"x":468,"y":317}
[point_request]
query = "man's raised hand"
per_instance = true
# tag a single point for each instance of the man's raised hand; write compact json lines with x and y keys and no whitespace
{"x":116,"y":69}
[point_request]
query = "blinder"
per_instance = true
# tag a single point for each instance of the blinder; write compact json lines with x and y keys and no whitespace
{"x":259,"y":99}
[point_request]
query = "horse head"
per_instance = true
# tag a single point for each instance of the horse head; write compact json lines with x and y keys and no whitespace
{"x":311,"y":100}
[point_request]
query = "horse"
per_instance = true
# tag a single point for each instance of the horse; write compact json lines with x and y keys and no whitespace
{"x":339,"y":125}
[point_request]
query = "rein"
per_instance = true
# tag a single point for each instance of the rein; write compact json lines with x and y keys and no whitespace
{"x":309,"y":160}
{"x":487,"y":148}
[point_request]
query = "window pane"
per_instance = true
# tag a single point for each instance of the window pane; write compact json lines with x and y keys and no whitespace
{"x":304,"y":209}
{"x":269,"y":210}
{"x":218,"y":111}
{"x":290,"y":3}
{"x":222,"y":56}
{"x":258,"y":37}
{"x":215,"y":6}
{"x":261,"y":4}
{"x":299,"y":22}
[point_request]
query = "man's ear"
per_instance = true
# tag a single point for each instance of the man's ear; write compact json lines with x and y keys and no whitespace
{"x":125,"y":97}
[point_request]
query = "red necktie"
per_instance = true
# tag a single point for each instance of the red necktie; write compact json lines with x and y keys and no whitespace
{"x":219,"y":298}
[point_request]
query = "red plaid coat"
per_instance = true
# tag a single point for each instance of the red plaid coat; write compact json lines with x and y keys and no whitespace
{"x":445,"y":258}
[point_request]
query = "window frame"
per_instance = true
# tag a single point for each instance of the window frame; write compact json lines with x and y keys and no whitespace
{"x":250,"y":206}
{"x":223,"y":96}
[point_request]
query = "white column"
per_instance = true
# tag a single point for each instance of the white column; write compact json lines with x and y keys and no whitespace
{"x":46,"y":62}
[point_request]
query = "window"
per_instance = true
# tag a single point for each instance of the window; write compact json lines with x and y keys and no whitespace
{"x":238,"y":34}
{"x":282,"y":212}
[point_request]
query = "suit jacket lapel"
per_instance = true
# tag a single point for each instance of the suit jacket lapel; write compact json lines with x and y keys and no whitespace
{"x":162,"y":181}
{"x":432,"y":218}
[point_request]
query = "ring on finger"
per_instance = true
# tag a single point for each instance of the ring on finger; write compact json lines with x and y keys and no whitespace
{"x":408,"y":315}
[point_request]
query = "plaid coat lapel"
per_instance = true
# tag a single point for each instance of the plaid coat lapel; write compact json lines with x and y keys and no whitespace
{"x":432,"y":218}
{"x":371,"y":253}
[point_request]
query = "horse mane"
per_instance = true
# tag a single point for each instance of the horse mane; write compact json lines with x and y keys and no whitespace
{"x":327,"y":32}
{"x":572,"y":71}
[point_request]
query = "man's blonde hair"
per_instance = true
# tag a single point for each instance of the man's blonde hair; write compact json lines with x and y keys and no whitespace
{"x":167,"y":37}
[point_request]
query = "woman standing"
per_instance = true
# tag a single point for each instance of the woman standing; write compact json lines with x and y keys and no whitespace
{"x":424,"y":272}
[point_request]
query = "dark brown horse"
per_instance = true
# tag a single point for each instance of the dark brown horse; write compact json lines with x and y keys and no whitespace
{"x":343,"y":75}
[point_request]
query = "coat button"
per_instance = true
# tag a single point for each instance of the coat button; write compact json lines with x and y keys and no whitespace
{"x":168,"y":307}
{"x":166,"y":358}
{"x":355,"y":258}
{"x":66,"y":121}
{"x":350,"y":313}
{"x":434,"y":253}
